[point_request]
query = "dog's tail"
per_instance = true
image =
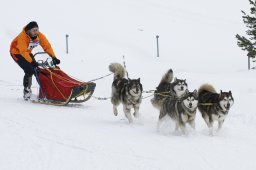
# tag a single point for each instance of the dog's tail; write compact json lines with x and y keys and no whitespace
{"x":167,"y":77}
{"x":117,"y":69}
{"x":206,"y":87}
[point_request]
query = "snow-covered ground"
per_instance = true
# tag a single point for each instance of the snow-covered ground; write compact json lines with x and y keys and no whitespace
{"x":196,"y":39}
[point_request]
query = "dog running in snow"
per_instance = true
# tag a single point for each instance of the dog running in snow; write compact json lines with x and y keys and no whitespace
{"x":182,"y":110}
{"x":214,"y":106}
{"x":126,"y":91}
{"x":167,"y":88}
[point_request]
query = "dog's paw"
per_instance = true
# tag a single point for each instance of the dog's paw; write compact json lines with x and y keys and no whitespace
{"x":211,"y":132}
{"x":115,"y":111}
{"x":136,"y":115}
{"x":130,"y":120}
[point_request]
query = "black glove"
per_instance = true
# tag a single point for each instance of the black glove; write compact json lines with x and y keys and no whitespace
{"x":34,"y":64}
{"x":55,"y":61}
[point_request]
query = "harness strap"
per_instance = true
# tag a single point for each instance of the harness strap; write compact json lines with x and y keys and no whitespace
{"x":147,"y":96}
{"x":101,"y":98}
{"x":101,"y":77}
{"x":206,"y":104}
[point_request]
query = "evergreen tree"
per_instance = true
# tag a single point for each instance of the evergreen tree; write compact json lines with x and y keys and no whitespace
{"x":250,"y":22}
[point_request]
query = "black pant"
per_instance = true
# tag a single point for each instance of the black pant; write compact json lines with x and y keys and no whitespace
{"x":27,"y":68}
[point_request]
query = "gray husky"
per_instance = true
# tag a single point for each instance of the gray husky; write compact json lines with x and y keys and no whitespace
{"x":214,"y":106}
{"x":125,"y":91}
{"x":167,"y":88}
{"x":182,"y":111}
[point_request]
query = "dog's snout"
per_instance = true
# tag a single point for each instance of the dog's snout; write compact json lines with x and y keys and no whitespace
{"x":137,"y":89}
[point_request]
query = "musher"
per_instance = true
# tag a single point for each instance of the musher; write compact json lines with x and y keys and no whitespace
{"x":21,"y":48}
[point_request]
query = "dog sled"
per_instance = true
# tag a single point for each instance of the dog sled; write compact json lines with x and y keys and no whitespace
{"x":58,"y":88}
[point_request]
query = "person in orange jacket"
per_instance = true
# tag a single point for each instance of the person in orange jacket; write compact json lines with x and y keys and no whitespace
{"x":21,"y":48}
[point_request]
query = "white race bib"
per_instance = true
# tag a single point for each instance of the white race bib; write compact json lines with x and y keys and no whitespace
{"x":32,"y":44}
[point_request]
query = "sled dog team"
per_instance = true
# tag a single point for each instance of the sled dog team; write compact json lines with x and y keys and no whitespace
{"x":172,"y":99}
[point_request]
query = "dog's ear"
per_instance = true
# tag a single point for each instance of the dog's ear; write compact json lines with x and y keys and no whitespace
{"x":187,"y":91}
{"x":195,"y":93}
{"x":138,"y":80}
{"x":230,"y":92}
{"x":220,"y":94}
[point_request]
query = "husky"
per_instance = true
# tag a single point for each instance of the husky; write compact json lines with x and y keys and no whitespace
{"x":214,"y":106}
{"x":125,"y":91}
{"x":166,"y":88}
{"x":181,"y":110}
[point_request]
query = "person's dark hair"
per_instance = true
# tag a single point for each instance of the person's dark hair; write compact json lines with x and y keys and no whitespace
{"x":31,"y":25}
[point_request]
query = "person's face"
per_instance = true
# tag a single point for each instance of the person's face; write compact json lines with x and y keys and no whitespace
{"x":34,"y":32}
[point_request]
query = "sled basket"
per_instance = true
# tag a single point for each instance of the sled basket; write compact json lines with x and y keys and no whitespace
{"x":56,"y":86}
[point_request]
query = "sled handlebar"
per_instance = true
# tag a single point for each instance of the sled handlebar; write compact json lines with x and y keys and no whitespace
{"x":40,"y":53}
{"x":48,"y":63}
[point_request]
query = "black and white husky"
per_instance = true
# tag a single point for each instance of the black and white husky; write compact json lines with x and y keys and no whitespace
{"x":182,"y":110}
{"x":167,"y":88}
{"x":125,"y":91}
{"x":214,"y":106}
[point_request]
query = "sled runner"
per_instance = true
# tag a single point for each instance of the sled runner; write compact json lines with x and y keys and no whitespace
{"x":58,"y":88}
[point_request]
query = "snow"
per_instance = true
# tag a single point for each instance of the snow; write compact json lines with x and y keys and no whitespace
{"x":196,"y":39}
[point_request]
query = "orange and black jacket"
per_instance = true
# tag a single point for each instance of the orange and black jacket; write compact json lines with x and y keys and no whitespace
{"x":23,"y":45}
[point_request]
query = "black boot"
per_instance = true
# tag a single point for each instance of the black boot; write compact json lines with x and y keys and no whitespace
{"x":27,"y":93}
{"x":27,"y":82}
